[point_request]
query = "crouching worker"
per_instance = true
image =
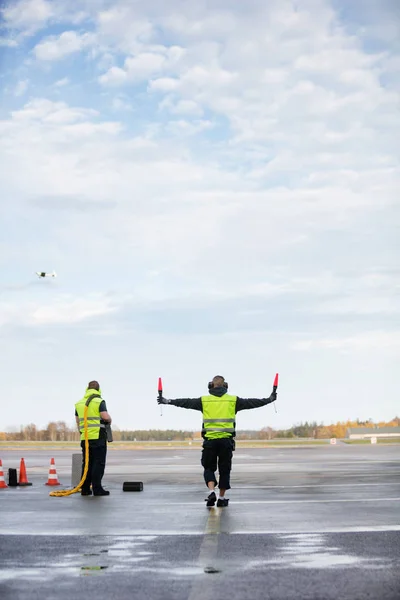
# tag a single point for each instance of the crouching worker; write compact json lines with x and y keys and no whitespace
{"x":219,"y":420}
{"x":97,"y":418}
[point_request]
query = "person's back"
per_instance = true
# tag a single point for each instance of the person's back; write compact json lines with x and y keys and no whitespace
{"x":219,"y":410}
{"x":97,"y":418}
{"x":218,"y":430}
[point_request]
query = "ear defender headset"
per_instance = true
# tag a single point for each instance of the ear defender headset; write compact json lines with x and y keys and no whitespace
{"x":211,"y":383}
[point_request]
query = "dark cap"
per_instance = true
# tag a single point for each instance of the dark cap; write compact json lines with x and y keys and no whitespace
{"x":93,"y":385}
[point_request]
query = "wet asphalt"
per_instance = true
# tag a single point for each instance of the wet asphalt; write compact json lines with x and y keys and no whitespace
{"x":309,"y":523}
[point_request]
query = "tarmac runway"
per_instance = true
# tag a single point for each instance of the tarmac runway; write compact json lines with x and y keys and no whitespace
{"x":311,"y":523}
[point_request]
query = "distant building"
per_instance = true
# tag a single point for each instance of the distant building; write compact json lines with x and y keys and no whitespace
{"x":361,"y":433}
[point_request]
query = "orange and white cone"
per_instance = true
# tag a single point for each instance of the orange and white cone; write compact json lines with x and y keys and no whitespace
{"x":3,"y":484}
{"x":52,"y":480}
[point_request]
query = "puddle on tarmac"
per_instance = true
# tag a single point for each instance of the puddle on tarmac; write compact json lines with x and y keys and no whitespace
{"x":125,"y":545}
{"x":125,"y":551}
{"x":134,"y":559}
{"x":118,"y":552}
{"x":310,"y":551}
{"x":41,"y":574}
{"x":182,"y":571}
{"x":140,"y":538}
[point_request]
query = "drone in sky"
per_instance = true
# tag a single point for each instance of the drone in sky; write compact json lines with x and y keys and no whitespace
{"x":41,"y":274}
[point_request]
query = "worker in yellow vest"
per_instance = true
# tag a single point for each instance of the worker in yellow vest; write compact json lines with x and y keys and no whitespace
{"x":219,"y":429}
{"x":97,"y":418}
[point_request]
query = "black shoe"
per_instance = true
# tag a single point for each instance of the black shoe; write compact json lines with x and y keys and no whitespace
{"x":101,"y":493}
{"x":86,"y":492}
{"x":211,"y":499}
{"x":222,"y":502}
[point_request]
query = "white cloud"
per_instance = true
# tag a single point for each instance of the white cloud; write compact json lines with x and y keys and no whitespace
{"x":308,"y":106}
{"x":120,"y":103}
{"x":47,"y":111}
{"x":182,"y":127}
{"x":257,"y":176}
{"x":164,"y":84}
{"x":62,"y":310}
{"x":8,"y":42}
{"x":83,"y":130}
{"x":70,"y":311}
{"x":363,"y":342}
{"x":183,"y":107}
{"x":21,"y":87}
{"x":114,"y":76}
{"x":143,"y":66}
{"x":216,"y":25}
{"x":122,"y":26}
{"x":58,"y":47}
{"x":28,"y":15}
{"x":61,"y":82}
{"x":325,"y":61}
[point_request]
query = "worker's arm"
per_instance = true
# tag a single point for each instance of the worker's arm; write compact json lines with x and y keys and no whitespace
{"x":193,"y":403}
{"x":248,"y":403}
{"x":104,"y":415}
{"x":77,"y":422}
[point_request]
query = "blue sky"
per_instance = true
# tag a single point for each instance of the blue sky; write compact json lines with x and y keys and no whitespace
{"x":218,"y":191}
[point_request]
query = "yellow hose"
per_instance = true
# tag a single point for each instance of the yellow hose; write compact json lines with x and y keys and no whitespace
{"x":62,"y":493}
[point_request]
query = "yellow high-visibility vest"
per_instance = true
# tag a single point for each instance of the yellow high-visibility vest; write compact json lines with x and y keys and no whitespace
{"x":93,"y":415}
{"x":218,"y":416}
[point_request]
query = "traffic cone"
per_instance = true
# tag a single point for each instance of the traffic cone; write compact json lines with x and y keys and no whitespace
{"x":23,"y":479}
{"x":3,"y":484}
{"x":52,"y":480}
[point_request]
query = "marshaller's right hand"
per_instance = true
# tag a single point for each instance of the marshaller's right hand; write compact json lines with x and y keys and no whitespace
{"x":162,"y":400}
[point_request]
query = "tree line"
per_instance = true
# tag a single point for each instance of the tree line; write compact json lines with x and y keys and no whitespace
{"x":59,"y":431}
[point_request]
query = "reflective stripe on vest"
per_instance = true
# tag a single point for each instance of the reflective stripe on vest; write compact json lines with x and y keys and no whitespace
{"x":218,"y":420}
{"x":97,"y":424}
{"x":218,"y":416}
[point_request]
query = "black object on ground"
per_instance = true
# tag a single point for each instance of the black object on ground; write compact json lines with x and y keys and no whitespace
{"x":12,"y":477}
{"x":132,"y":486}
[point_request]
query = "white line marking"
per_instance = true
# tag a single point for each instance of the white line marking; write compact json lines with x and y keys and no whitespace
{"x":315,"y":485}
{"x":334,"y":461}
{"x":355,"y":529}
{"x":357,"y":474}
{"x":394,"y":499}
{"x":287,"y":532}
{"x":250,"y":463}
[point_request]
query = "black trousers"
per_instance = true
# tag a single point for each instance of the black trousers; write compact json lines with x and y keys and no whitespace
{"x":218,"y":454}
{"x":97,"y":464}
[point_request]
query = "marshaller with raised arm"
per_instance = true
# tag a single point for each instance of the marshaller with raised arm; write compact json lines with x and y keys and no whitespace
{"x":219,"y":429}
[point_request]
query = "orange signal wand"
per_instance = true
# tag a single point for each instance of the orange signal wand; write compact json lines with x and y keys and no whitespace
{"x":275,"y":387}
{"x":160,"y":392}
{"x":276,"y":381}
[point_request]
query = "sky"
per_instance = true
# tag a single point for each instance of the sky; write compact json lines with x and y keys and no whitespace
{"x":216,"y":185}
